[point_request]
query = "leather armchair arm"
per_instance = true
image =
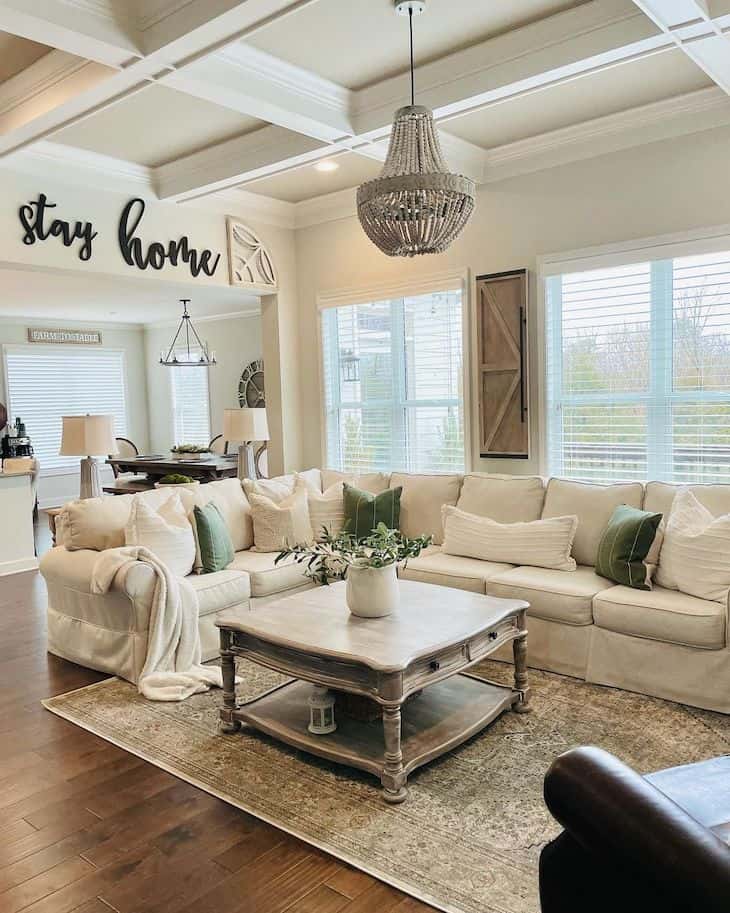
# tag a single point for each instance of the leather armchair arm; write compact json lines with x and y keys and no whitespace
{"x":626,"y":823}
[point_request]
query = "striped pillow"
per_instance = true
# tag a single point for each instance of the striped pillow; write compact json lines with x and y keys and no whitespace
{"x":364,"y":511}
{"x":539,"y":543}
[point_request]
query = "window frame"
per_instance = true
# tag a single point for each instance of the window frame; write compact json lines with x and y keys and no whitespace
{"x":171,"y":394}
{"x":659,"y":251}
{"x":116,"y":350}
{"x":460,"y":280}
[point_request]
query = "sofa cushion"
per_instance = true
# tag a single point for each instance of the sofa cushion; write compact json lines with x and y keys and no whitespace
{"x":166,"y":532}
{"x":213,"y":540}
{"x":564,"y":596}
{"x":433,"y":566}
{"x":96,"y":523}
{"x":658,"y":497}
{"x":374,"y":482}
{"x":220,"y":590}
{"x":228,"y":496}
{"x":364,"y":511}
{"x":278,"y":524}
{"x":659,"y":614}
{"x":629,"y":539}
{"x":593,"y":505}
{"x":421,"y":502}
{"x":504,"y":498}
{"x":267,"y":577}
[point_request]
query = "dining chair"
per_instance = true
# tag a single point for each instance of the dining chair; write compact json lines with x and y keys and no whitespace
{"x":219,"y":445}
{"x":125,"y":448}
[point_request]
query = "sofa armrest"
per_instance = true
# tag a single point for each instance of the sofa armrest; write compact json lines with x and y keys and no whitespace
{"x":623,"y":820}
{"x":71,"y":571}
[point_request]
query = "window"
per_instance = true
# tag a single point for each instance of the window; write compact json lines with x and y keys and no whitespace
{"x":47,"y":382}
{"x":393,"y":379}
{"x":190,"y":402}
{"x":638,"y":363}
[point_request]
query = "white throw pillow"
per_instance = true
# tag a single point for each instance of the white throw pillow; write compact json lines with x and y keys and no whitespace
{"x":228,"y":497}
{"x":695,"y":555}
{"x":539,"y":543}
{"x":373,"y":482}
{"x":275,"y":489}
{"x":166,"y":532}
{"x":276,"y":525}
{"x":326,"y":509}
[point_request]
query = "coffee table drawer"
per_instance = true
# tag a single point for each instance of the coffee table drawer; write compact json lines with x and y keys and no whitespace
{"x":421,"y":672}
{"x":488,"y":641}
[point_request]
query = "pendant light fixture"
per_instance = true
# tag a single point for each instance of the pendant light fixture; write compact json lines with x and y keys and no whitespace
{"x":196,"y":356}
{"x":416,"y":206}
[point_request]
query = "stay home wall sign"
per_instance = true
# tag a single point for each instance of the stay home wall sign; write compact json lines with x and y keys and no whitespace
{"x":40,"y":223}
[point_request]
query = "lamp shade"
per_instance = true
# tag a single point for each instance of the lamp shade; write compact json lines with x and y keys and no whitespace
{"x":245,"y":425}
{"x":88,"y":435}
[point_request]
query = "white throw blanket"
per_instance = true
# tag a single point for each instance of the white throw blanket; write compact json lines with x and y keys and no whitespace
{"x":172,"y":669}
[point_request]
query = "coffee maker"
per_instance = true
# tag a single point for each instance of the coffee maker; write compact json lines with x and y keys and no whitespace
{"x":15,"y":442}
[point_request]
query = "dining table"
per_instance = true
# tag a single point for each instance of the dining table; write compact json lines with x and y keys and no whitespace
{"x":150,"y":469}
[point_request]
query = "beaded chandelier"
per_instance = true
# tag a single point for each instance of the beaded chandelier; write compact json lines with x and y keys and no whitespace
{"x":416,"y":206}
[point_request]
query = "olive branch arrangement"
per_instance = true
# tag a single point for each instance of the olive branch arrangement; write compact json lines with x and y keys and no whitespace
{"x":330,"y":558}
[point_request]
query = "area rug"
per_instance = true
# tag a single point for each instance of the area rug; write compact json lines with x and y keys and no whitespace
{"x":468,"y":838}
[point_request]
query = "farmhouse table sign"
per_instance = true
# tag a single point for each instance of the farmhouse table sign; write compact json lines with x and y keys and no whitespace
{"x":74,"y":337}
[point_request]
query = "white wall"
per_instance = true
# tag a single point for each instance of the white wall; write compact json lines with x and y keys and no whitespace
{"x":56,"y":489}
{"x":236,"y":342}
{"x":655,"y":189}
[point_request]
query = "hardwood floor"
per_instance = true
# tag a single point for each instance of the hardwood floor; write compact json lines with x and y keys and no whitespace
{"x":87,"y":827}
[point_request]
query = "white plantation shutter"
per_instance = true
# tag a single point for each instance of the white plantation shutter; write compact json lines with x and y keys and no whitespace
{"x":393,"y":384}
{"x":638,"y":371}
{"x":190,"y":402}
{"x":48,"y":382}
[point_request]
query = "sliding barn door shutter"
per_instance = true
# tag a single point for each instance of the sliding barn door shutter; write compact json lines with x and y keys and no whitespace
{"x":502,"y":340}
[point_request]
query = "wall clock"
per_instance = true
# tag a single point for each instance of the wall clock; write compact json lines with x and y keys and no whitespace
{"x":251,"y":386}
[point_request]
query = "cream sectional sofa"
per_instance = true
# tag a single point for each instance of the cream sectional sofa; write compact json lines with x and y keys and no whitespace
{"x":659,"y":642}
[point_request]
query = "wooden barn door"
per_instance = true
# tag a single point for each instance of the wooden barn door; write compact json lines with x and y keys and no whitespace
{"x":502,"y":365}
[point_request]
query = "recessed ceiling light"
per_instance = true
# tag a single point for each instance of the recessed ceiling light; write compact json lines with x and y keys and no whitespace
{"x":327,"y":165}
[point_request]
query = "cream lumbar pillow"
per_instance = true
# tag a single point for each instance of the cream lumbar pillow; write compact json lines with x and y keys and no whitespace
{"x":166,"y":532}
{"x":539,"y":543}
{"x":695,"y":555}
{"x":276,"y":525}
{"x":326,"y":509}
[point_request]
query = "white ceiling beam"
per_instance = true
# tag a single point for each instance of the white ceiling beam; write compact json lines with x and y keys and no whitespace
{"x":105,"y":36}
{"x":691,"y":27}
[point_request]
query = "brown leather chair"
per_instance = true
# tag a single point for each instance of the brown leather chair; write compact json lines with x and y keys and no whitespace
{"x":636,"y":844}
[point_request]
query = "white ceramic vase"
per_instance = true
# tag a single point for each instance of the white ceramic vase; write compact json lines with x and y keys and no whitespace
{"x":372,"y":591}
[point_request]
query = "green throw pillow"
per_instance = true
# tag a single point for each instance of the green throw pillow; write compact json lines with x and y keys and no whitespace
{"x":624,"y":546}
{"x":363,"y":510}
{"x":214,"y":540}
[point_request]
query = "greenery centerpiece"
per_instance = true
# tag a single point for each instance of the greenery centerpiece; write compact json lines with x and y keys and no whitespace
{"x":189,"y":451}
{"x":176,"y":478}
{"x":369,"y":565}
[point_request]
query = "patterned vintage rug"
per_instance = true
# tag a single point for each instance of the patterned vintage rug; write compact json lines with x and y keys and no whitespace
{"x":469,"y":836}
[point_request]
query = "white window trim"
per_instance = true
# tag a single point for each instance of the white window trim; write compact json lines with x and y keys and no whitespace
{"x":171,"y":400}
{"x":64,"y":347}
{"x":714,"y":239}
{"x":422,"y":285}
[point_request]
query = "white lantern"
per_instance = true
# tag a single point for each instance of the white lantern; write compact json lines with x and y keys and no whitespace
{"x":321,"y":711}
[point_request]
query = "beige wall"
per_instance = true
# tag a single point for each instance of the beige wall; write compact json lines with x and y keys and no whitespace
{"x":236,"y":342}
{"x":663,"y":187}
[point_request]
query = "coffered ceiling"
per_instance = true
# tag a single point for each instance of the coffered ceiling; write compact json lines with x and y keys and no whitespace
{"x":195,"y":98}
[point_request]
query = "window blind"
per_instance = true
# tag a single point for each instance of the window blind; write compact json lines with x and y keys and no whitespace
{"x":45,"y":383}
{"x":638,"y":371}
{"x":393,"y":384}
{"x":190,"y":402}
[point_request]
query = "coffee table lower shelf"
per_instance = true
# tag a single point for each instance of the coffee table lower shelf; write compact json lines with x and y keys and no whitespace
{"x":443,"y":716}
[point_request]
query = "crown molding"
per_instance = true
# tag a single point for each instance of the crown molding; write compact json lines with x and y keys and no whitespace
{"x":328,"y":208}
{"x":80,"y":166}
{"x":22,"y":320}
{"x":253,"y":311}
{"x":43,"y":74}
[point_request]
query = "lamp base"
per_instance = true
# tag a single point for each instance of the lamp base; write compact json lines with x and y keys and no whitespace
{"x":90,"y":480}
{"x":246,"y":462}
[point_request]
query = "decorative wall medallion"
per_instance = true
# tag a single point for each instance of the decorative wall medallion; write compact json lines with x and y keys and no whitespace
{"x":251,"y":393}
{"x":250,"y":261}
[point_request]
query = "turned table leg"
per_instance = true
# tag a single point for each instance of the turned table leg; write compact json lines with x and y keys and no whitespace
{"x":393,"y":777}
{"x":519,"y":649}
{"x":227,"y":723}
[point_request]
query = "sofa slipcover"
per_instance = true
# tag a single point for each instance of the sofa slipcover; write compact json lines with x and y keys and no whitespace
{"x":268,"y":578}
{"x":220,"y":590}
{"x":564,"y":596}
{"x":421,"y":501}
{"x":665,"y":615}
{"x":504,"y":498}
{"x":433,"y":566}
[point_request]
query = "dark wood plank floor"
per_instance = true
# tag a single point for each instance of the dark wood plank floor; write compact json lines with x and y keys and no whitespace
{"x":87,"y":827}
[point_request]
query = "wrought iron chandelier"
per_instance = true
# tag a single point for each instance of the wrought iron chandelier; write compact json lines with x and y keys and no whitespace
{"x":416,"y":206}
{"x":194,"y":352}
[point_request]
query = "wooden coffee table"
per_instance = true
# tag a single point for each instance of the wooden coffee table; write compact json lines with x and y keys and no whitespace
{"x":436,"y":633}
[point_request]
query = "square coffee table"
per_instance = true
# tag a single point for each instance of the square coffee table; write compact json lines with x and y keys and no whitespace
{"x":436,"y":633}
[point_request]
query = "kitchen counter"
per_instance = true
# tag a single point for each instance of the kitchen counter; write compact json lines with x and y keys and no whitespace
{"x":17,"y":545}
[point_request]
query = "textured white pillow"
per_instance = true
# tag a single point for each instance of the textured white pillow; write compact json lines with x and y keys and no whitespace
{"x":274,"y":489}
{"x":326,"y":509}
{"x":539,"y":543}
{"x":166,"y":532}
{"x":277,"y":524}
{"x":695,"y":555}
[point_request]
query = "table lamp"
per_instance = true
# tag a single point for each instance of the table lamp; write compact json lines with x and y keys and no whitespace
{"x":245,"y":426}
{"x":88,"y":436}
